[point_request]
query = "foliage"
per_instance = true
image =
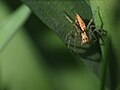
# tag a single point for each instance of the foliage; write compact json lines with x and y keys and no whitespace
{"x":103,"y":60}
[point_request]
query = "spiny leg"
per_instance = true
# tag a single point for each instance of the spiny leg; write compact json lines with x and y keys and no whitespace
{"x":75,"y":40}
{"x":92,"y":33}
{"x":101,"y":34}
{"x":76,"y":33}
{"x":99,"y":31}
{"x":68,"y":38}
{"x":69,"y":41}
{"x":70,"y":34}
{"x":91,"y":20}
{"x":74,"y":43}
{"x":67,"y":35}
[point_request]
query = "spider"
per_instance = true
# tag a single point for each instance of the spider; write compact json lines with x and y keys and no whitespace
{"x":88,"y":34}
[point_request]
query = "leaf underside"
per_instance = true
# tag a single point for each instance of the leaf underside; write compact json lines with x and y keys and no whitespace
{"x":51,"y":12}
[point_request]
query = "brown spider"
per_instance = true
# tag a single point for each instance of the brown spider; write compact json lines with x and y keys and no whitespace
{"x":86,"y":33}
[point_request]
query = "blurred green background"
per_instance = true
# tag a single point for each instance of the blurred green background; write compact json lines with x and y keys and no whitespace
{"x":36,"y":59}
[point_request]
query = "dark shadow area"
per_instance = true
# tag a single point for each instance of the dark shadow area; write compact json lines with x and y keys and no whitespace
{"x":113,"y":67}
{"x":13,"y":4}
{"x":60,"y":58}
{"x":113,"y":63}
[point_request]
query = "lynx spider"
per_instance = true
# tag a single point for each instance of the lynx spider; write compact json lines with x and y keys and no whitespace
{"x":87,"y":33}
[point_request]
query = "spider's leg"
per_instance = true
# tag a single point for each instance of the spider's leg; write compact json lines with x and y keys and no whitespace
{"x":101,"y":33}
{"x":91,"y":20}
{"x":74,"y":43}
{"x":68,"y":38}
{"x":70,"y":35}
{"x":69,"y":41}
{"x":67,"y":35}
{"x":92,"y":33}
{"x":76,"y":34}
{"x":98,"y":30}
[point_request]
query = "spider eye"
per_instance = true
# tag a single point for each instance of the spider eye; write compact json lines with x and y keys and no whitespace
{"x":77,"y":23}
{"x":86,"y":38}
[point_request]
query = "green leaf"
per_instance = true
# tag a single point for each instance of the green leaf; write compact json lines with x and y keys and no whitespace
{"x":109,"y":13}
{"x":52,"y":13}
{"x":12,"y":24}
